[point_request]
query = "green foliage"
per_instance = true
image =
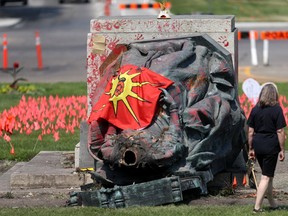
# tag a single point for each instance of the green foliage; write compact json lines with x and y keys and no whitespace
{"x":5,"y":89}
{"x":14,"y":73}
{"x":21,"y":89}
{"x":244,"y":10}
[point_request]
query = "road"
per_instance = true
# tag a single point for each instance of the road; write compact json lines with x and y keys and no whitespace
{"x":63,"y":30}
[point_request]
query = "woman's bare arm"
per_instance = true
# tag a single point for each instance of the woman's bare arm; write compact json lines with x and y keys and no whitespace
{"x":281,"y":138}
{"x":250,"y":137}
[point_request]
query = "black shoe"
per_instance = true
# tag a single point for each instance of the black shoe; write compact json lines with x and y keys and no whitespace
{"x":277,"y":208}
{"x":257,"y":210}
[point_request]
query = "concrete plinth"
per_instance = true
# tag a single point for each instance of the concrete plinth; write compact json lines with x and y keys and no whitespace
{"x":48,"y":170}
{"x":83,"y":159}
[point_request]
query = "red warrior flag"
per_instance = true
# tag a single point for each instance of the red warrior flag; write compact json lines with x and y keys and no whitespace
{"x":130,"y":98}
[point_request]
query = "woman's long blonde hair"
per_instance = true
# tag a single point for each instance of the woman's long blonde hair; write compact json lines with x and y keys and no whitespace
{"x":269,"y":95}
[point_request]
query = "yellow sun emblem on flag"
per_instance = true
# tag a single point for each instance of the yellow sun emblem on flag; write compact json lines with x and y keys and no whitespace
{"x":122,"y":88}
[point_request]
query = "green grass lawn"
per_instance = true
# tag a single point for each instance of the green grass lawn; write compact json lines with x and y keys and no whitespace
{"x":244,"y":10}
{"x":26,"y":147}
{"x":170,"y":210}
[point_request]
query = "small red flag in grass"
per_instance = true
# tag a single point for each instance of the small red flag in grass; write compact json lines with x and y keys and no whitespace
{"x":247,"y":105}
{"x":51,"y":114}
{"x":47,"y":114}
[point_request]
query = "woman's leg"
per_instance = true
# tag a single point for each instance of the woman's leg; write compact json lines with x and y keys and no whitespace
{"x":261,"y":191}
{"x":269,"y":194}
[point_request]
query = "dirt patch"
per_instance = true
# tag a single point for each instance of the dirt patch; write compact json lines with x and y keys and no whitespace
{"x":241,"y":197}
{"x":58,"y":198}
{"x":30,"y":199}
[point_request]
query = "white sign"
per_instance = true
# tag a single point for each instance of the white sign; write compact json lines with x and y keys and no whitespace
{"x":251,"y":89}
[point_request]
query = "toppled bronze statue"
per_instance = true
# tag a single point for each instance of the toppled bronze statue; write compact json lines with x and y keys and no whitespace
{"x":166,"y":116}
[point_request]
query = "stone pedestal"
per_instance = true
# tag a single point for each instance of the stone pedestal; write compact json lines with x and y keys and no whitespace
{"x":82,"y":157}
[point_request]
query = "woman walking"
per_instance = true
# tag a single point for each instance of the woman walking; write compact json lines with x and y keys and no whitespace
{"x":266,"y":139}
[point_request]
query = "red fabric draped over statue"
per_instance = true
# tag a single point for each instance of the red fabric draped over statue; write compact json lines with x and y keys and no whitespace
{"x":130,"y":98}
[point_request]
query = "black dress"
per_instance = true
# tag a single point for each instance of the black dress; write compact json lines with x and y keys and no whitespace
{"x":266,"y":121}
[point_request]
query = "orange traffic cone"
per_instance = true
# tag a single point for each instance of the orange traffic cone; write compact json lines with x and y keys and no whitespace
{"x":244,"y":182}
{"x":38,"y":50}
{"x":234,"y":184}
{"x":5,"y":51}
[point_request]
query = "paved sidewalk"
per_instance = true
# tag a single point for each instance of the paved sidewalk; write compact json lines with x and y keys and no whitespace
{"x":262,"y":74}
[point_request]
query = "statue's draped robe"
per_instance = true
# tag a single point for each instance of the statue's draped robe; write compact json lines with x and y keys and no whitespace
{"x":199,"y":121}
